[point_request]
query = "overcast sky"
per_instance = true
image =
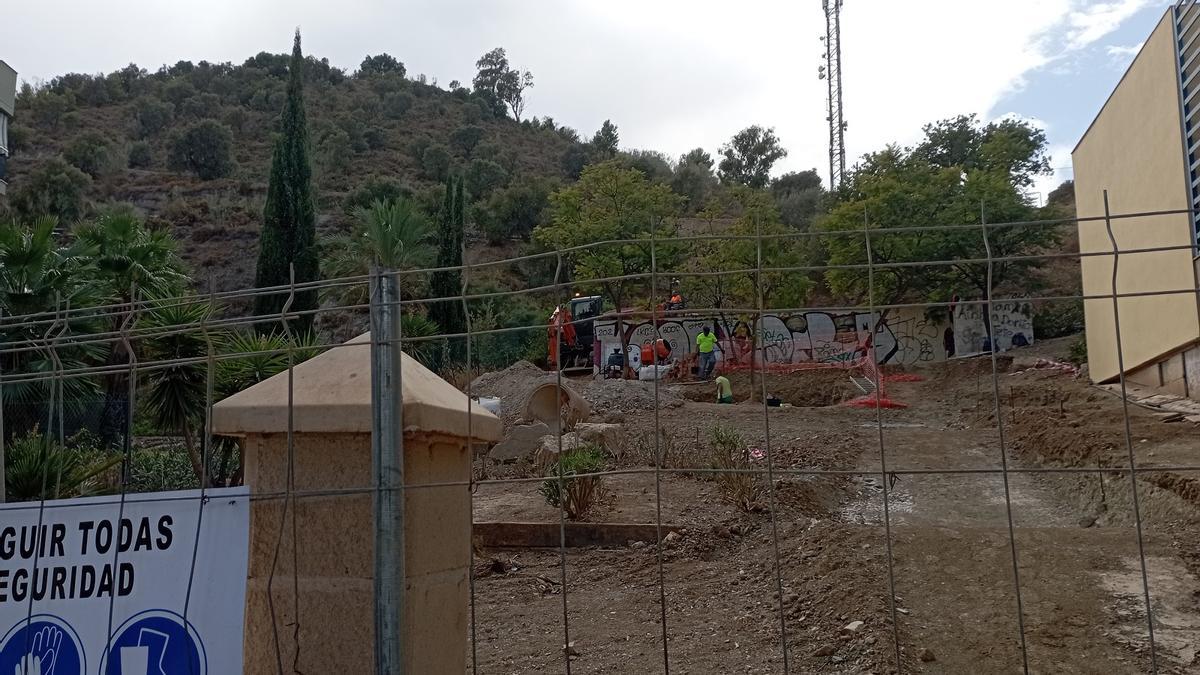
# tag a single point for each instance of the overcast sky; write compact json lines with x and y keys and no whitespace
{"x":672,"y":74}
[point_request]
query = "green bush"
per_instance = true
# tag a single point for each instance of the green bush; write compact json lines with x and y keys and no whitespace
{"x":471,"y":113}
{"x":1059,"y":319}
{"x":141,"y":156}
{"x":91,"y":153}
{"x":483,"y":176}
{"x":514,"y":211}
{"x":435,"y":162}
{"x":54,"y":188}
{"x":565,"y":488}
{"x":36,"y":467}
{"x":201,"y":106}
{"x":397,"y":105}
{"x":464,"y":139}
{"x":1079,"y":353}
{"x":161,"y":469}
{"x":152,"y":116}
{"x":375,"y":190}
{"x":204,"y":148}
{"x":728,"y":452}
{"x":380,"y":64}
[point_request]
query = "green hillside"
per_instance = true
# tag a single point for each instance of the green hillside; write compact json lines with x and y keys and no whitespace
{"x":375,"y":131}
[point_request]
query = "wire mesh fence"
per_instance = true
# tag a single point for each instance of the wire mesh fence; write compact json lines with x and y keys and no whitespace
{"x":658,"y":529}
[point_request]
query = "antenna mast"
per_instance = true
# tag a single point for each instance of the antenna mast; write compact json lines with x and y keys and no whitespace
{"x":832,"y":73}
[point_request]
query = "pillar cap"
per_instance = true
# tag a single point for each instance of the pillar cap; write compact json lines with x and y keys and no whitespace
{"x":331,"y":393}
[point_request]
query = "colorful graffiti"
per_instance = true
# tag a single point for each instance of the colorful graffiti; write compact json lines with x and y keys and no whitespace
{"x":806,"y":337}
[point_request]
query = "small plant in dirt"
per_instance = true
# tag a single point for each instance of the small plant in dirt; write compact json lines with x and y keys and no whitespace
{"x":652,"y":454}
{"x":1078,"y":351}
{"x":566,"y":487}
{"x":732,"y":459}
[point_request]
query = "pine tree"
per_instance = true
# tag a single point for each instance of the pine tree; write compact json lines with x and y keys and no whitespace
{"x":448,"y":314}
{"x":289,"y":220}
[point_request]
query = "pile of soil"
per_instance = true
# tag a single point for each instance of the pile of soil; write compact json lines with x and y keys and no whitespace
{"x":816,"y":388}
{"x":513,"y":386}
{"x":626,"y":396}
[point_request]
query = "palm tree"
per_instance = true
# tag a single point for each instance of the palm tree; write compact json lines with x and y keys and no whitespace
{"x":393,"y":234}
{"x":176,"y":395}
{"x":125,"y":255}
{"x":38,"y":277}
{"x":128,"y":261}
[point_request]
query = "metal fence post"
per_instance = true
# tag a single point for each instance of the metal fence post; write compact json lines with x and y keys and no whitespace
{"x":388,"y":469}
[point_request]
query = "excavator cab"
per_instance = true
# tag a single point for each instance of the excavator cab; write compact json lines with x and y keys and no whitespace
{"x":572,"y":333}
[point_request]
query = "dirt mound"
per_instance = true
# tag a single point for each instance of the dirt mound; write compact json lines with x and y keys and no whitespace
{"x":607,"y":396}
{"x":513,"y":386}
{"x":804,"y":389}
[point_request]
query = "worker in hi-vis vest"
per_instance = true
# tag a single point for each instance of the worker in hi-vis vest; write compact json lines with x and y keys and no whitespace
{"x":706,"y":342}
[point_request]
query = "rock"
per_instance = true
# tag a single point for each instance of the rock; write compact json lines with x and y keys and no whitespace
{"x":852,"y":627}
{"x":671,"y":537}
{"x":609,"y":437}
{"x":569,"y":649}
{"x":521,"y":442}
{"x":926,"y":655}
{"x":1087,"y":521}
{"x":548,"y":451}
{"x":827,"y":650}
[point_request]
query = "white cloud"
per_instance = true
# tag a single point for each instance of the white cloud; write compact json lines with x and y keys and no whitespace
{"x":1119,"y":52}
{"x":1095,"y":20}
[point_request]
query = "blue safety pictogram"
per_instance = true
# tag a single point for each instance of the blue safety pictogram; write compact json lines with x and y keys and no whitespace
{"x":155,"y":642}
{"x":42,"y":645}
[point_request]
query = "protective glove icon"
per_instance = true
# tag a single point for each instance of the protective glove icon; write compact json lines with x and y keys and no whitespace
{"x":43,"y":653}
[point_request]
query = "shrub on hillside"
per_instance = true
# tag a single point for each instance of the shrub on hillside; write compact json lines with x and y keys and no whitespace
{"x":55,"y":188}
{"x":141,"y":156}
{"x":435,"y":162}
{"x":178,"y":91}
{"x":380,"y":64}
{"x":397,"y":104}
{"x":204,"y":148}
{"x":152,"y":115}
{"x":201,"y":106}
{"x":464,"y":139}
{"x":91,"y":153}
{"x":483,"y":176}
{"x":48,"y":108}
{"x":375,"y":190}
{"x":514,"y":211}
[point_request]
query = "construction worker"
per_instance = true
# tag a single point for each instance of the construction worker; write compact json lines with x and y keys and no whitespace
{"x":706,"y":342}
{"x":724,"y":390}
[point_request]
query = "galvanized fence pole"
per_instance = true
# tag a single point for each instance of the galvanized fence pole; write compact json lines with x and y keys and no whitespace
{"x":388,"y":471}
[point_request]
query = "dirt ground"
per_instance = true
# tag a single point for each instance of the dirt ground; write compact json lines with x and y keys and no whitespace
{"x":826,"y":543}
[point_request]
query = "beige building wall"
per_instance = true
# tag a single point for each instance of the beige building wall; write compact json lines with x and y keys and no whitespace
{"x":334,"y":560}
{"x":1134,"y":149}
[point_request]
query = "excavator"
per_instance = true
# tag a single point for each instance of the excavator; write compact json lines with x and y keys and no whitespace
{"x":572,"y":334}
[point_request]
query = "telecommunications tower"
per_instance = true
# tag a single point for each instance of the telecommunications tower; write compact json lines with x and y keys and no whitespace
{"x":831,"y":72}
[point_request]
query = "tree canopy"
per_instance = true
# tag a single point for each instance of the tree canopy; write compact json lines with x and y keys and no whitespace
{"x":610,"y":202}
{"x":960,"y":173}
{"x":289,"y":220}
{"x":748,"y":157}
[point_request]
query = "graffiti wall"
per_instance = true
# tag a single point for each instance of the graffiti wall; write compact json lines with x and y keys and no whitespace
{"x":1012,"y":326}
{"x":905,"y":337}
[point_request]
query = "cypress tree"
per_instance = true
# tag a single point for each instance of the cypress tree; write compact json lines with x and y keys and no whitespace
{"x":448,"y":314}
{"x":289,"y":235}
